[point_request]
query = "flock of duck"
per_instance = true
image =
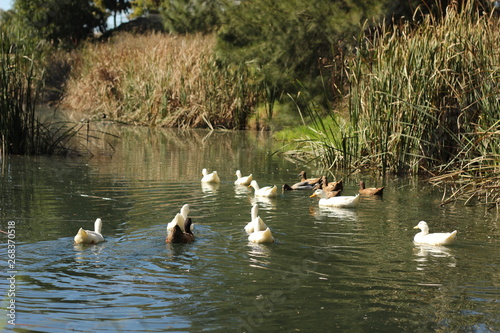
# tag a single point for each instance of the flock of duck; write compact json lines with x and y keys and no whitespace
{"x":179,"y":229}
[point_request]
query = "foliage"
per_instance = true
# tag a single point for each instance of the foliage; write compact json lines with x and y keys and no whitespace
{"x":164,"y":80}
{"x":65,"y":22}
{"x":190,"y":16}
{"x":144,"y":7}
{"x":114,"y":6}
{"x":286,"y":41}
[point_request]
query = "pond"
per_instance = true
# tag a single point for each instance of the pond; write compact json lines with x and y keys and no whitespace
{"x":330,"y":270}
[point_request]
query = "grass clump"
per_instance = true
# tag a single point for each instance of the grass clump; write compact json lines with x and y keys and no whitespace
{"x":162,"y":80}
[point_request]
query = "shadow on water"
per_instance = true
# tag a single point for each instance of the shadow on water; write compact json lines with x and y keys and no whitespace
{"x":330,"y":269}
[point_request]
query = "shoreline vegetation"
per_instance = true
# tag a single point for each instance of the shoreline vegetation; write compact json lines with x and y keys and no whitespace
{"x":407,"y":97}
{"x":158,"y":79}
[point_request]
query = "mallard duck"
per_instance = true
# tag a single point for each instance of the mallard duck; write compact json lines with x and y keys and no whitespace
{"x":89,"y":236}
{"x":266,"y":191}
{"x":311,"y":181}
{"x":176,"y":235}
{"x":439,"y":238}
{"x":342,"y":201}
{"x":370,"y":190}
{"x":243,"y":180}
{"x":256,"y":224}
{"x":179,"y":219}
{"x":209,"y":177}
{"x":261,"y":236}
{"x":298,"y":186}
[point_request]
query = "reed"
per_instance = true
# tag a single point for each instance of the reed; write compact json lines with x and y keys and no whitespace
{"x":162,"y":80}
{"x":423,"y":99}
{"x":420,"y":95}
{"x":20,"y":130}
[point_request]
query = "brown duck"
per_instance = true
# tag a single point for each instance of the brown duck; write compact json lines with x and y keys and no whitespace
{"x":370,"y":190}
{"x":332,"y":189}
{"x":176,"y":235}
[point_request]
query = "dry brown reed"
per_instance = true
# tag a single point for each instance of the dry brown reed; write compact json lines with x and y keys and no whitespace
{"x":162,"y":80}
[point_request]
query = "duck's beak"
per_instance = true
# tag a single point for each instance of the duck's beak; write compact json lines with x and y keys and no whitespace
{"x":416,"y":227}
{"x":313,"y":195}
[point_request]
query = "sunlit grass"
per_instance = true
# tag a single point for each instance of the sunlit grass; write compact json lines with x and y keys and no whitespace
{"x":163,"y":80}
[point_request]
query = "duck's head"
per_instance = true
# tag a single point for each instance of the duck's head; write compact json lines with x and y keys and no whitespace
{"x":204,"y":172}
{"x":238,"y":173}
{"x":422,"y":225}
{"x":318,"y":193}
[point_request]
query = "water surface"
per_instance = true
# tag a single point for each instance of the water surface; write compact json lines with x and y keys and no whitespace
{"x":330,"y":270}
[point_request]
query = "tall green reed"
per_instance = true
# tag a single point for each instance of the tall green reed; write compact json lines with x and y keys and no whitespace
{"x":420,"y":94}
{"x":20,"y":85}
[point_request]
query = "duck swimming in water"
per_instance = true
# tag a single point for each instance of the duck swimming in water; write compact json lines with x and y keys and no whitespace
{"x":439,"y":238}
{"x":176,"y":235}
{"x":89,"y":236}
{"x":370,"y":190}
{"x":209,"y":177}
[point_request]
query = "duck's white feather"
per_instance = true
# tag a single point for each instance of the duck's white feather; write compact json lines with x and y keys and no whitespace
{"x":341,"y":201}
{"x":266,"y":191}
{"x":257,"y":224}
{"x":179,"y":219}
{"x":89,"y":236}
{"x":209,"y":177}
{"x":242,"y":180}
{"x":264,"y":236}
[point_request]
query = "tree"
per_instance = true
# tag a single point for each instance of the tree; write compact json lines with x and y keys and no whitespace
{"x":116,"y":7}
{"x":60,"y":21}
{"x":145,"y":7}
{"x":185,"y":16}
{"x":293,"y":40}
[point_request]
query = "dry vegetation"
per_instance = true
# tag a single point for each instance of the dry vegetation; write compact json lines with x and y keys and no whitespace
{"x":161,"y":80}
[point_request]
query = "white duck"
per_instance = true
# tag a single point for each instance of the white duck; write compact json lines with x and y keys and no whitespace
{"x":256,"y":224}
{"x":242,"y":180}
{"x":439,"y":238}
{"x":266,"y":191}
{"x":179,"y":219}
{"x":341,"y":201}
{"x":89,"y":236}
{"x":209,"y":177}
{"x":261,"y":236}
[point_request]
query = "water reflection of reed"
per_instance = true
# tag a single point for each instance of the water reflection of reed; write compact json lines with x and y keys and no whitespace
{"x":171,"y":154}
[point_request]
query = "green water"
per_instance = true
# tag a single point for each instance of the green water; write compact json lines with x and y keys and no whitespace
{"x":330,"y":270}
